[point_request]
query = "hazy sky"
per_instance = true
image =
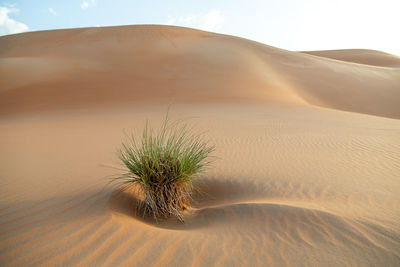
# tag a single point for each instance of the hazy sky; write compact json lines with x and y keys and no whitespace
{"x":292,"y":25}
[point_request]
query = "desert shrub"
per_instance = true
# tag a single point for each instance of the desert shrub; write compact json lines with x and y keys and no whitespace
{"x":162,"y":165}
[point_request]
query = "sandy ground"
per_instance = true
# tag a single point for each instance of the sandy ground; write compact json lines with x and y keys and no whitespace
{"x":307,"y":160}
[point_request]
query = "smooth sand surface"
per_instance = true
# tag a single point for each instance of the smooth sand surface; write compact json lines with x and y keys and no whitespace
{"x":307,"y":160}
{"x":361,"y":56}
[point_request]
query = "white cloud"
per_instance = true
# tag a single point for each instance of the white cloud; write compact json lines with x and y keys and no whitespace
{"x":7,"y":24}
{"x":52,"y":11}
{"x":187,"y":19}
{"x":84,"y":5}
{"x":170,"y":20}
{"x":210,"y":21}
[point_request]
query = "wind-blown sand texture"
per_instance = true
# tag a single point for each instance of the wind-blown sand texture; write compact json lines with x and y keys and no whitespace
{"x":307,"y":168}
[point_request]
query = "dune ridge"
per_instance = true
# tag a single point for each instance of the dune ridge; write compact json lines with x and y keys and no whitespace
{"x":307,"y":159}
{"x":76,"y":68}
{"x":361,"y":56}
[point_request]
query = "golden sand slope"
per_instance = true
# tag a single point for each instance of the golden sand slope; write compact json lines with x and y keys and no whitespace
{"x":148,"y":64}
{"x":361,"y":56}
{"x":298,"y":179}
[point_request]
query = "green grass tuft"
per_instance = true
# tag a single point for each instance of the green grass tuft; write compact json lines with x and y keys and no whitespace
{"x":163,"y":165}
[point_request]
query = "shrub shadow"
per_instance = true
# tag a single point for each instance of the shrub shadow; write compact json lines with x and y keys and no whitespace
{"x":209,"y":194}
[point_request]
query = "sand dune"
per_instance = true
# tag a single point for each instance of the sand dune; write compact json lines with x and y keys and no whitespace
{"x":304,"y":174}
{"x":76,"y":68}
{"x":361,"y":56}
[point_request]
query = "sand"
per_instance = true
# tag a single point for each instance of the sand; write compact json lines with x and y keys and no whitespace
{"x":307,"y":161}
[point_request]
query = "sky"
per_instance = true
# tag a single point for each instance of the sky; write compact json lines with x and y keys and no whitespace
{"x":292,"y":25}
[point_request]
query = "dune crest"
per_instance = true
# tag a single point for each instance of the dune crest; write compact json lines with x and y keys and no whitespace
{"x":360,"y":56}
{"x":67,"y":69}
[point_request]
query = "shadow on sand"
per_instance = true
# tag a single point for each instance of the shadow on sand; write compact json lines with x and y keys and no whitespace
{"x":210,"y":193}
